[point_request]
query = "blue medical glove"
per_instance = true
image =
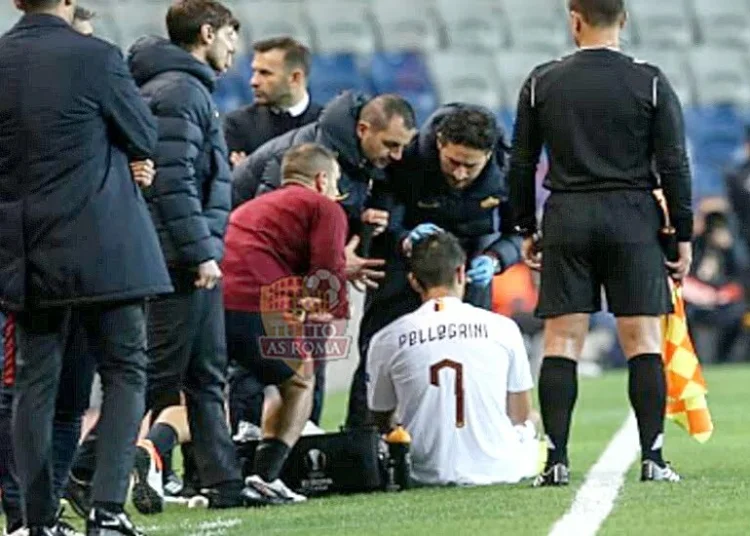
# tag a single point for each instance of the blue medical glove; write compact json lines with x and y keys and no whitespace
{"x":482,"y":270}
{"x":422,"y":231}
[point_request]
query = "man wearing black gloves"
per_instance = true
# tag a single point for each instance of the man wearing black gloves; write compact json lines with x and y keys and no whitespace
{"x":614,"y":130}
{"x":452,"y":178}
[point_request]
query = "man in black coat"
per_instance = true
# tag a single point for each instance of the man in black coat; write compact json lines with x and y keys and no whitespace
{"x":77,"y":242}
{"x":367,"y":134}
{"x":452,"y":177}
{"x":281,"y":67}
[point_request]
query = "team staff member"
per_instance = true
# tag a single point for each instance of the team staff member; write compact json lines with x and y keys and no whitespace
{"x":281,"y":68}
{"x":451,"y":177}
{"x":76,"y":239}
{"x":366,"y":134}
{"x":457,"y":377}
{"x":292,"y":232}
{"x":614,"y":130}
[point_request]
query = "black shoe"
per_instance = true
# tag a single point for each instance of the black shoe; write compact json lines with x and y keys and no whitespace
{"x":554,"y":475}
{"x":148,"y":490}
{"x":78,"y":495}
{"x":103,"y":523}
{"x":245,"y":497}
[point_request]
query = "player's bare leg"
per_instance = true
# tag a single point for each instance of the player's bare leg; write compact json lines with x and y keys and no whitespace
{"x":564,"y":337}
{"x":282,"y":427}
{"x":641,"y":341}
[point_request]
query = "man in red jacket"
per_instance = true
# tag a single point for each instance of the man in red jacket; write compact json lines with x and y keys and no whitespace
{"x":280,"y":248}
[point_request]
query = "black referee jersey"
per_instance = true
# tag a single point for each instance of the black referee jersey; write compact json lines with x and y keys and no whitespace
{"x":609,"y":122}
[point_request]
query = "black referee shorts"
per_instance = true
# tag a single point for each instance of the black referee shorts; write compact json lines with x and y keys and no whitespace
{"x":609,"y":240}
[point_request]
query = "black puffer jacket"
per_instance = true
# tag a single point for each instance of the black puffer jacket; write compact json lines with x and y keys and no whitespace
{"x":337,"y":130}
{"x":190,"y":198}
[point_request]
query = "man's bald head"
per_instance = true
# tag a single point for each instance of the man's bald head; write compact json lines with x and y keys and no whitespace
{"x":386,"y":125}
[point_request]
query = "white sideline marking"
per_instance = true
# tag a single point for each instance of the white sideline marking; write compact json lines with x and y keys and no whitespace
{"x":596,"y":497}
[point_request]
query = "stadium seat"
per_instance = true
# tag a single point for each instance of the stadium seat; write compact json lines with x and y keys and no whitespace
{"x":537,"y":25}
{"x":348,"y":31}
{"x":405,"y":73}
{"x":715,"y":133}
{"x":460,"y":76}
{"x":261,"y":20}
{"x":404,"y":26}
{"x":675,"y":66}
{"x":722,"y":75}
{"x":473,"y":24}
{"x":662,"y":23}
{"x":333,"y":73}
{"x":723,"y":22}
{"x":514,"y":67}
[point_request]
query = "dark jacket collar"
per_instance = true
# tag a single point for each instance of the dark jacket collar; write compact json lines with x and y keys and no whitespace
{"x":31,"y":20}
{"x":338,"y":124}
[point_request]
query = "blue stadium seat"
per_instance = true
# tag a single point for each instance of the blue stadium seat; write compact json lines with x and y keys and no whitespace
{"x":233,"y":88}
{"x":333,"y":73}
{"x":714,"y":134}
{"x":405,"y":73}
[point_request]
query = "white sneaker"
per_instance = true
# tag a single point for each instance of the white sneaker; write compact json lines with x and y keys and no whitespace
{"x":18,"y":532}
{"x":277,"y":488}
{"x":651,"y":471}
{"x":247,"y":432}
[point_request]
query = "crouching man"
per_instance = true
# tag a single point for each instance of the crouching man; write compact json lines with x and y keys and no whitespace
{"x":456,"y":376}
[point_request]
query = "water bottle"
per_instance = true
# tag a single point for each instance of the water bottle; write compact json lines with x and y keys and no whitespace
{"x":399,"y":442}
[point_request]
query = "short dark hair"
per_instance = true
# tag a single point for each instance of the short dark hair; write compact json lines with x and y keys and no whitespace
{"x":434,"y":260}
{"x":470,"y":127}
{"x":83,"y":14}
{"x":382,"y":109}
{"x":186,"y":17}
{"x":296,"y":55}
{"x":599,"y":13}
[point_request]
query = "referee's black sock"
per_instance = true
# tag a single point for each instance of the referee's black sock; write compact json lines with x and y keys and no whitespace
{"x":269,"y":458}
{"x":647,"y":388}
{"x":558,"y":390}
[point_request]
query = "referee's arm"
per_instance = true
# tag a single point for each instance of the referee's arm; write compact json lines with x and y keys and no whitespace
{"x":670,"y":155}
{"x":527,"y":147}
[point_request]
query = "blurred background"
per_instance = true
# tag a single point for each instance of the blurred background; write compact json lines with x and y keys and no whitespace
{"x":480,"y":51}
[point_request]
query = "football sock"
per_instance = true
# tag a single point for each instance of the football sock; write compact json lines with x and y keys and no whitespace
{"x":163,"y":437}
{"x":558,"y":390}
{"x":647,"y":389}
{"x":269,"y":458}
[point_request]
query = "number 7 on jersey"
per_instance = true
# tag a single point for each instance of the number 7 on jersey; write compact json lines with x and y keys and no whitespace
{"x":459,"y":370}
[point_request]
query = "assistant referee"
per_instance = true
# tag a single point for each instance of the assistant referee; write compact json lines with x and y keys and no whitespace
{"x":613,"y":129}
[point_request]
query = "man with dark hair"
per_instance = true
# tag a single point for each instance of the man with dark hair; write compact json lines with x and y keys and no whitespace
{"x":82,"y":21}
{"x":614,"y":129}
{"x":419,"y":364}
{"x":367,"y":134}
{"x":76,"y":242}
{"x":281,"y":68}
{"x":452,"y":177}
{"x":190,"y":202}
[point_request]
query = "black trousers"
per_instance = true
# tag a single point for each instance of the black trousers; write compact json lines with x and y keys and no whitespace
{"x":73,"y":395}
{"x":118,"y":334}
{"x":187,"y":353}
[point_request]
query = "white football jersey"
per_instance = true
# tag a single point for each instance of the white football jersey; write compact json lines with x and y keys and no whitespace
{"x":447,"y":369}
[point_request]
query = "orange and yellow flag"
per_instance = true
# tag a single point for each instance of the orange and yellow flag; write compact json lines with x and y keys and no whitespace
{"x":686,"y":386}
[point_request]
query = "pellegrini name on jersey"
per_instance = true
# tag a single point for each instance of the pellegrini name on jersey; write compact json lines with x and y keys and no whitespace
{"x":443,"y":332}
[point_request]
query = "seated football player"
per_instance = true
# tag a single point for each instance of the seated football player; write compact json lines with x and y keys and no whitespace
{"x":457,"y":377}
